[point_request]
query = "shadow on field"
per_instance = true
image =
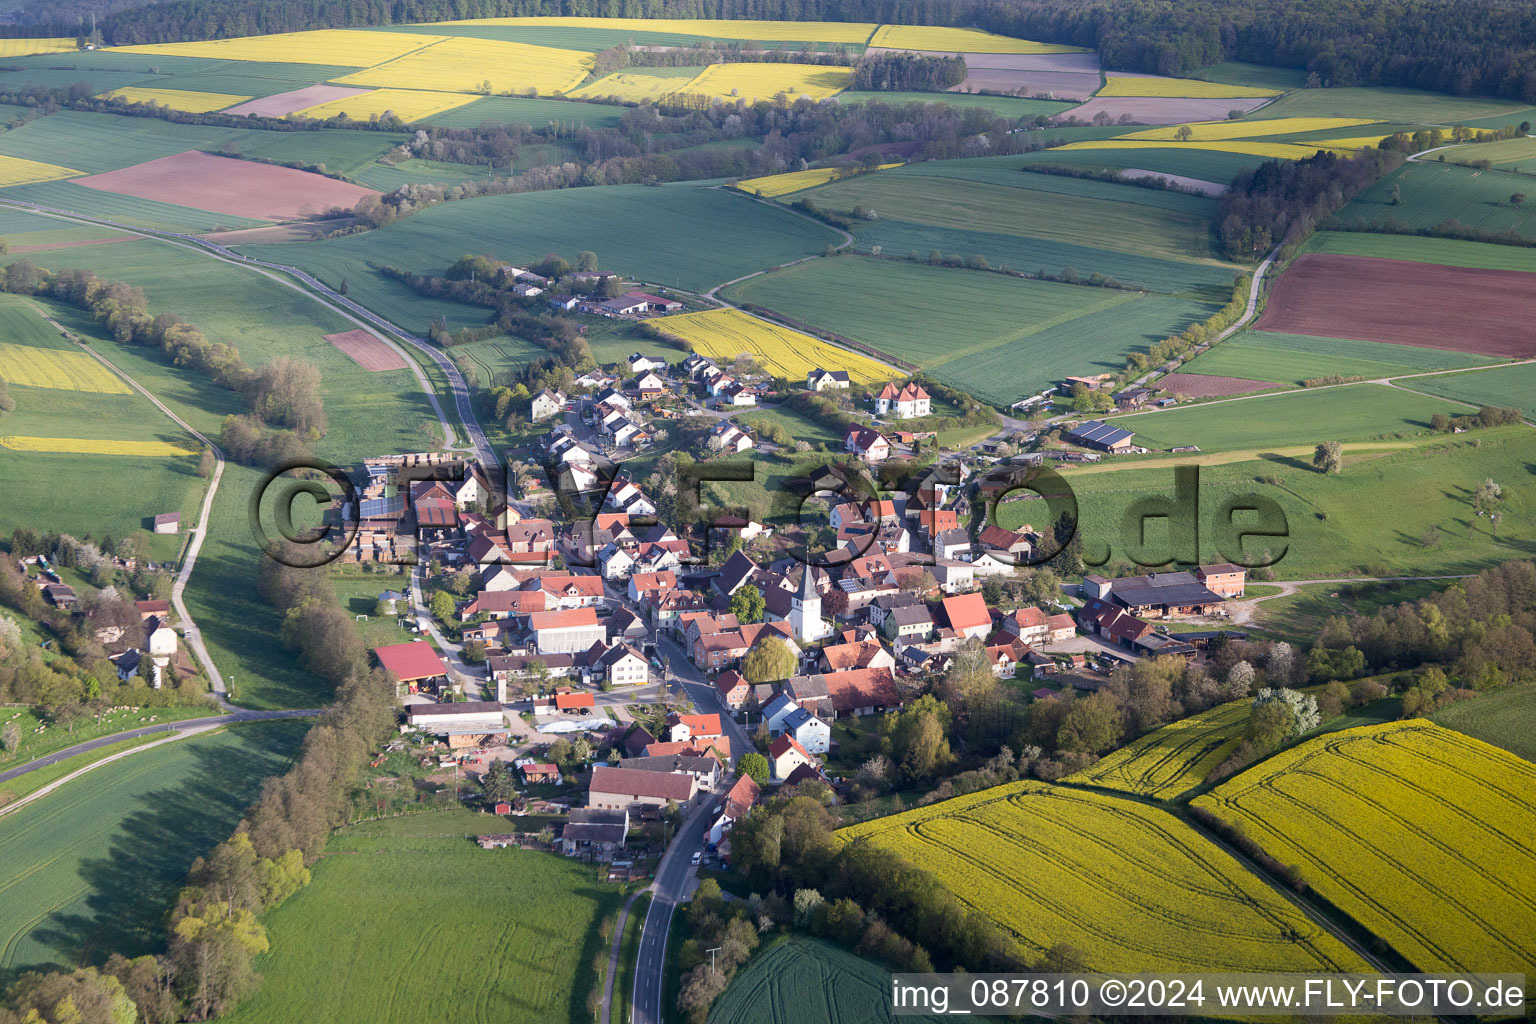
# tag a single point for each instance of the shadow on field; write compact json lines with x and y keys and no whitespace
{"x":593,"y":949}
{"x":1287,"y":460}
{"x":133,"y":888}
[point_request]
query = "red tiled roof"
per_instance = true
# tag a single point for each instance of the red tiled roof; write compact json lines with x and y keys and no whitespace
{"x":728,"y":681}
{"x":411,"y":661}
{"x":564,"y":619}
{"x":784,"y":744}
{"x":574,"y":700}
{"x":967,"y":611}
{"x":700,"y":725}
{"x":861,"y":688}
{"x":1028,"y":618}
{"x":741,"y":797}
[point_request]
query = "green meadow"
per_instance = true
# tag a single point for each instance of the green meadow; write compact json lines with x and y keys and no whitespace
{"x":1432,"y":193}
{"x":1293,"y":358}
{"x":1450,"y":252}
{"x":1512,"y":387}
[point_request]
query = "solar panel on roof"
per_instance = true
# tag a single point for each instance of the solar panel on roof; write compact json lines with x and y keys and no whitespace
{"x":376,"y":508}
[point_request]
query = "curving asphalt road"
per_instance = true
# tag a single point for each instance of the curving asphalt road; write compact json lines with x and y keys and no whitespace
{"x":150,"y":730}
{"x":673,"y":883}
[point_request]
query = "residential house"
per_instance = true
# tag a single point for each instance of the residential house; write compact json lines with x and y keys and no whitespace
{"x":1225,"y":578}
{"x":639,"y":363}
{"x":639,"y":791}
{"x":867,"y":443}
{"x":776,"y":709}
{"x":968,"y":615}
{"x":907,"y":402}
{"x":733,"y":689}
{"x":857,"y":654}
{"x":545,"y":405}
{"x":738,"y":801}
{"x":1027,"y":624}
{"x":1060,"y":627}
{"x":809,"y":731}
{"x":566,"y":631}
{"x":785,"y":755}
{"x":622,"y":665}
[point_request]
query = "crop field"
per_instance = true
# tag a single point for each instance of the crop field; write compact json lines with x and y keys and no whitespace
{"x":1409,"y":106}
{"x":1218,"y":131}
{"x":1449,"y":252}
{"x":512,"y":110}
{"x":253,"y":78}
{"x":959,"y":40}
{"x":636,"y":85}
{"x":345,"y":47}
{"x":1194,"y":88}
{"x":1369,"y":520}
{"x":1505,"y":718}
{"x":23,"y":47}
{"x":1433,"y":193}
{"x":1483,"y":311}
{"x":1174,"y":759}
{"x":367,"y":350}
{"x":775,"y":185}
{"x":1354,"y":413}
{"x":463,"y":64}
{"x":1261,"y":150}
{"x":722,"y":334}
{"x":1201,"y":385}
{"x":35,"y":366}
{"x":176,"y":99}
{"x":852,"y":32}
{"x":291,"y":101}
{"x":1129,"y":886}
{"x":1518,"y":154}
{"x":534,"y":953}
{"x":1002,"y":106}
{"x":87,"y":446}
{"x":130,"y":210}
{"x":651,"y":233}
{"x":1419,"y":833}
{"x":16,"y":171}
{"x":92,"y":867}
{"x":800,"y":979}
{"x":1512,"y":387}
{"x":730,"y":82}
{"x":1239,"y":73}
{"x":1173,"y":158}
{"x":1293,"y":358}
{"x":409,"y":105}
{"x":104,"y":142}
{"x":1037,"y":206}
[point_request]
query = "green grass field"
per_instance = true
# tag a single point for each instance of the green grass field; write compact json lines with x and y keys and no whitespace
{"x":1505,"y":717}
{"x":1003,"y":106}
{"x":800,"y":427}
{"x":1259,"y":75}
{"x":533,"y":112}
{"x":798,"y":979}
{"x":593,"y":39}
{"x":35,"y":744}
{"x":1205,"y":164}
{"x":1517,"y":154}
{"x":652,"y":234}
{"x":1512,"y":387}
{"x":1433,"y":193}
{"x":1373,"y":519}
{"x":1448,"y":252}
{"x":91,"y":868}
{"x":1104,"y":215}
{"x":1384,"y":104}
{"x":997,"y":336}
{"x":130,"y":210}
{"x":1358,"y":412}
{"x":1293,"y":358}
{"x":482,"y":935}
{"x":251,"y":78}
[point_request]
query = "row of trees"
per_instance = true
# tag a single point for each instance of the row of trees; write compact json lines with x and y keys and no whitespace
{"x":907,"y":72}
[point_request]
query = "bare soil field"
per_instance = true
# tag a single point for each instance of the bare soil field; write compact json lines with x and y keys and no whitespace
{"x":367,"y":351}
{"x":1078,"y":62}
{"x":299,"y":99}
{"x":41,"y":246}
{"x":1455,"y":308}
{"x":1164,"y":109}
{"x":220,"y":184}
{"x":1199,"y":385}
{"x":1210,"y":188}
{"x":1064,"y":85}
{"x":274,"y":234}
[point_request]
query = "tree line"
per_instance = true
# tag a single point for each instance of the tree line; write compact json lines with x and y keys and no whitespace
{"x":907,"y":72}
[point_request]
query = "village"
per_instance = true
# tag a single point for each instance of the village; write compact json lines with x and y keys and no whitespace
{"x":622,"y":670}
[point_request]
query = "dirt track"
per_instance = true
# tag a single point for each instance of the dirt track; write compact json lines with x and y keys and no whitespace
{"x":1455,"y":308}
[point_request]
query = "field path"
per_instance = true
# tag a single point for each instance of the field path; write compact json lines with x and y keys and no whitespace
{"x":1242,"y":610}
{"x":613,"y":957}
{"x":198,"y":533}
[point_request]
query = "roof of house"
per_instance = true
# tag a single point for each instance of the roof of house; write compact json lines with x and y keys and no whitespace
{"x":1162,"y":588}
{"x":411,"y":661}
{"x":592,"y":832}
{"x":463,"y":707}
{"x":637,"y":739}
{"x":996,"y":537}
{"x":910,"y":615}
{"x":671,"y":763}
{"x":861,"y":688}
{"x":1027,"y":618}
{"x":864,"y":438}
{"x":804,"y":773}
{"x":167,"y":517}
{"x":967,"y":611}
{"x":1062,"y":621}
{"x":567,"y":618}
{"x":637,"y":783}
{"x":741,"y":798}
{"x":728,"y":680}
{"x":851,"y":655}
{"x":574,"y":700}
{"x":540,"y":769}
{"x":784,"y":744}
{"x":1220,"y":568}
{"x":698,"y":725}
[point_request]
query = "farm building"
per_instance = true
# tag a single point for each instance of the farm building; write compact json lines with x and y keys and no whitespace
{"x":168,"y":522}
{"x":416,"y":664}
{"x":636,"y":303}
{"x":540,"y":774}
{"x":1224,"y":578}
{"x":1101,"y":436}
{"x":566,"y":631}
{"x":1157,"y":593}
{"x":593,"y":830}
{"x":465,"y":724}
{"x":617,"y":789}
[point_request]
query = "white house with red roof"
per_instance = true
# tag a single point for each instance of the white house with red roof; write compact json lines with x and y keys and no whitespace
{"x":968,"y":614}
{"x":907,"y":402}
{"x":566,"y":631}
{"x":786,"y":755}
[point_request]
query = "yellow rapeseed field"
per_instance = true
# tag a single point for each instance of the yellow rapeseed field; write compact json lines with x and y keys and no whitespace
{"x":176,"y":99}
{"x":16,"y":171}
{"x":85,"y":446}
{"x":763,"y":81}
{"x":35,"y":367}
{"x":407,"y":104}
{"x":342,"y":46}
{"x":1129,"y":886}
{"x":628,"y":87}
{"x":1217,"y":131}
{"x":723,"y":334}
{"x":773,"y":185}
{"x":1277,"y":150}
{"x":706,"y":28}
{"x":1181,"y":88}
{"x":1168,"y":761}
{"x":960,"y":40}
{"x":1422,"y":834}
{"x":1355,"y":142}
{"x":24,"y":47}
{"x":462,"y":64}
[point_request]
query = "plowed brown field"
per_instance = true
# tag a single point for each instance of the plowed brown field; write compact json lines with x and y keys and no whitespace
{"x":367,"y":351}
{"x":220,"y":184}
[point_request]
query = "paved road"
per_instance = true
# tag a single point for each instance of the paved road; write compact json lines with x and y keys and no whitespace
{"x":673,"y":883}
{"x":682,"y":674}
{"x":149,"y":730}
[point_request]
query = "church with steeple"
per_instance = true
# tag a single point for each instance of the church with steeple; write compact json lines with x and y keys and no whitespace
{"x":805,"y":610}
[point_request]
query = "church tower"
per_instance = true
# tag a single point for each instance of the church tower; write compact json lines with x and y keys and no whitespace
{"x":805,"y":609}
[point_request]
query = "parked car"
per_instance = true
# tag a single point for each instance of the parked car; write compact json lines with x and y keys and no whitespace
{"x":697,"y":856}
